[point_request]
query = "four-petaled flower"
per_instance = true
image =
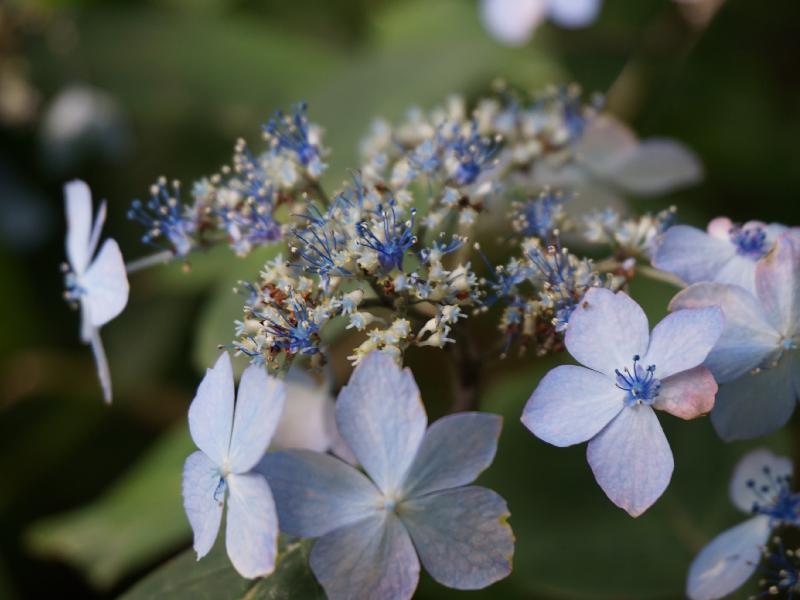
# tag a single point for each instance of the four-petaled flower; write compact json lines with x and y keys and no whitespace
{"x":725,"y":253}
{"x":627,"y":374}
{"x":761,"y":486}
{"x":414,"y":503}
{"x":231,"y":443}
{"x":100,"y":284}
{"x":756,"y":360}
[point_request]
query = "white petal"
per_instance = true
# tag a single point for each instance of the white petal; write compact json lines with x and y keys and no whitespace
{"x":728,"y":561}
{"x":512,"y":22}
{"x":251,"y":528}
{"x":211,"y":411}
{"x":78,"y":205}
{"x":657,"y":167}
{"x":106,"y":285}
{"x":259,"y":403}
{"x":574,"y":13}
{"x":605,"y":143}
{"x":692,"y":254}
{"x":101,"y":362}
{"x":778,"y":287}
{"x":203,"y":500}
{"x":307,"y":421}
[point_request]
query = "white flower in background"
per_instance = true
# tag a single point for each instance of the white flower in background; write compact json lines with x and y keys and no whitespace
{"x":513,"y":22}
{"x":98,"y":284}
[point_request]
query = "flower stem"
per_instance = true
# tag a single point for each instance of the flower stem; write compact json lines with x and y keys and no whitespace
{"x":159,"y":258}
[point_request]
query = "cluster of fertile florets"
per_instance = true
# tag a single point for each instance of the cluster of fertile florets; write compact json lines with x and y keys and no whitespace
{"x":392,"y":252}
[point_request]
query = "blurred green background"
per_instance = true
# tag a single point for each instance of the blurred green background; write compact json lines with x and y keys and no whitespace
{"x":90,"y":495}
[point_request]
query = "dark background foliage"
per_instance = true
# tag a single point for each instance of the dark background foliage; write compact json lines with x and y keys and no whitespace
{"x":89,"y":500}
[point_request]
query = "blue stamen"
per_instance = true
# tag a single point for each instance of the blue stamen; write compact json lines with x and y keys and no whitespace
{"x":750,"y":241}
{"x":394,"y":239}
{"x":641,"y":384}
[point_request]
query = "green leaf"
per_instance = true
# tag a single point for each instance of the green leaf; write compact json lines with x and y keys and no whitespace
{"x":138,"y":520}
{"x":213,"y":578}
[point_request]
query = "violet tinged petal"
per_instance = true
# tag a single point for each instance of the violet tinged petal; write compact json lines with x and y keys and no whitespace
{"x":747,"y":340}
{"x":513,"y":22}
{"x":687,"y":395}
{"x":211,"y":411}
{"x":371,"y":559}
{"x":316,"y":493}
{"x":692,"y":254}
{"x":728,"y":560}
{"x":778,"y":287}
{"x":380,"y":415}
{"x":755,"y":470}
{"x":259,"y":404}
{"x":683,"y":340}
{"x":631,"y":459}
{"x":203,"y":499}
{"x":607,"y":330}
{"x":572,"y":404}
{"x":454,"y":451}
{"x":251,"y":527}
{"x":756,"y":404}
{"x":462,"y":536}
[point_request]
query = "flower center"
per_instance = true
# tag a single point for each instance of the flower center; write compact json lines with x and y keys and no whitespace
{"x":773,"y":497}
{"x":750,"y":242}
{"x":640,"y":383}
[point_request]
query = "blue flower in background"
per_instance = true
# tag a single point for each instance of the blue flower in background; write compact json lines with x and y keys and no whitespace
{"x":761,"y":487}
{"x":725,"y":253}
{"x":756,"y":360}
{"x":628,"y":372}
{"x":231,"y":443}
{"x":414,"y":503}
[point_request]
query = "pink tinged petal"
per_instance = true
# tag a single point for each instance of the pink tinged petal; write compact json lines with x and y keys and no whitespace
{"x":720,"y":228}
{"x":683,"y":340}
{"x":513,"y":22}
{"x":606,"y":330}
{"x":462,"y":536}
{"x":687,"y":395}
{"x":78,"y":206}
{"x":658,"y":166}
{"x":692,"y":254}
{"x":211,"y":411}
{"x":259,"y":403}
{"x":739,"y":270}
{"x":572,"y":404}
{"x":372,"y":559}
{"x":757,"y":403}
{"x":747,"y":340}
{"x":251,"y":527}
{"x":726,"y":563}
{"x":631,"y":459}
{"x":454,"y":451}
{"x":203,"y":499}
{"x":574,"y":13}
{"x":753,"y":467}
{"x":106,"y":285}
{"x":316,"y":493}
{"x":778,"y":287}
{"x":380,"y":415}
{"x":101,"y":363}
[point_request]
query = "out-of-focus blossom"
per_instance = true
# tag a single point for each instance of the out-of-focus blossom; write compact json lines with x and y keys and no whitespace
{"x":628,"y":373}
{"x":97,"y":284}
{"x":513,"y":22}
{"x":761,"y":486}
{"x":83,"y":122}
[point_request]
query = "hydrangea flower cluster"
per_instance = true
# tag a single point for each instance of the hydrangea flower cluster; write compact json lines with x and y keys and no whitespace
{"x":401,"y":256}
